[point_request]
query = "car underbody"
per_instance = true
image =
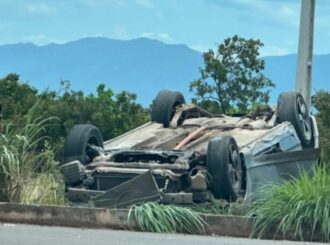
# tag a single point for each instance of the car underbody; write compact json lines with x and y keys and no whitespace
{"x":186,"y":154}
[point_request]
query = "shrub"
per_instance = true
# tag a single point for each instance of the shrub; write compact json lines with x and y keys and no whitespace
{"x":162,"y":218}
{"x":298,"y":206}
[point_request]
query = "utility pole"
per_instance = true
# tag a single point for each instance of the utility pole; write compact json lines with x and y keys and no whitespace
{"x":305,"y":50}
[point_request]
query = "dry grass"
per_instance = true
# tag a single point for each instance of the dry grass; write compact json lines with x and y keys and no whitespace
{"x":28,"y":171}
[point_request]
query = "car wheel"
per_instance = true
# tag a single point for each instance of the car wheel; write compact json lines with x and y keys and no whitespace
{"x":225,"y":167}
{"x":81,"y":142}
{"x":163,"y":108}
{"x":291,"y":107}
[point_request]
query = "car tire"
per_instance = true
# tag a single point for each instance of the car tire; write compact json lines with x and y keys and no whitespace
{"x":291,"y":107}
{"x":77,"y":143}
{"x":163,"y":108}
{"x":225,"y":167}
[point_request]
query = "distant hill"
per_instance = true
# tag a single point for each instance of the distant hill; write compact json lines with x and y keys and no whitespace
{"x":142,"y":66}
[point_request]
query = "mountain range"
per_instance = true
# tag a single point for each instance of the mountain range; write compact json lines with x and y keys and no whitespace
{"x":142,"y":66}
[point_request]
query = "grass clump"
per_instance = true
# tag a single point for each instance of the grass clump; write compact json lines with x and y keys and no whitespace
{"x":28,"y":171}
{"x":300,"y":207}
{"x":44,"y":188}
{"x":154,"y":217}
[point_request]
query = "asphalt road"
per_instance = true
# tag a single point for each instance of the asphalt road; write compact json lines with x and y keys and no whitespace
{"x":11,"y":234}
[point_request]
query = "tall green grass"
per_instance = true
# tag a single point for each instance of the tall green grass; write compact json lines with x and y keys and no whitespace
{"x":154,"y":217}
{"x":28,"y":171}
{"x":300,"y":207}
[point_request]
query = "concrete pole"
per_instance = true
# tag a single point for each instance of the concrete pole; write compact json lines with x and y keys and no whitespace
{"x":305,"y":50}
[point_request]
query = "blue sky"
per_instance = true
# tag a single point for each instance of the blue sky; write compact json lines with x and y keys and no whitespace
{"x":200,"y":24}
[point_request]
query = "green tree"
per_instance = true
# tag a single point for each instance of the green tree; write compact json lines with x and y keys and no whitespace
{"x":116,"y":114}
{"x":16,"y":98}
{"x":232,"y":76}
{"x":321,"y":101}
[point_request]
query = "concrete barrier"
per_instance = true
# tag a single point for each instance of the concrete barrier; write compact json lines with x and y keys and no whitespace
{"x":65,"y":216}
{"x":235,"y":226}
{"x":107,"y":218}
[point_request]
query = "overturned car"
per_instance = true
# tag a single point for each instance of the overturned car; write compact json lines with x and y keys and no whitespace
{"x":186,"y":154}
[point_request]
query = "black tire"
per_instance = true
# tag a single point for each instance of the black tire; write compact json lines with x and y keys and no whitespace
{"x":291,"y":107}
{"x":77,"y":143}
{"x":225,"y":167}
{"x":163,"y":108}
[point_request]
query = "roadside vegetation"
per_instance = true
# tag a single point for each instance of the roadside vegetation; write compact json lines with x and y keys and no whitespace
{"x":154,"y":217}
{"x":28,"y":170}
{"x":300,"y":207}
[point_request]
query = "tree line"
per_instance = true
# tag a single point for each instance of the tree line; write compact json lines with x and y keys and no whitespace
{"x":113,"y":113}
